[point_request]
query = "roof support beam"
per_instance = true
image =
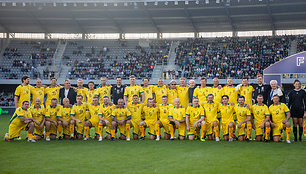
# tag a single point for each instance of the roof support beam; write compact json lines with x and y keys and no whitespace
{"x":190,"y":20}
{"x":228,"y":14}
{"x":271,"y":17}
{"x":114,"y":22}
{"x":152,"y":21}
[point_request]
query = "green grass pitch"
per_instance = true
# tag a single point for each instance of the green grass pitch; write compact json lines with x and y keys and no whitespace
{"x":148,"y":156}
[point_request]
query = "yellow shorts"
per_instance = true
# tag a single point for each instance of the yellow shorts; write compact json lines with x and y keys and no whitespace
{"x":80,"y":127}
{"x":258,"y":130}
{"x":225,"y":127}
{"x":37,"y":131}
{"x":14,"y":131}
{"x":94,"y":124}
{"x":241,"y":131}
{"x":209,"y":127}
{"x":165,"y":124}
{"x":151,"y":127}
{"x":192,"y":131}
{"x":53,"y":129}
{"x":182,"y":129}
{"x":135,"y":127}
{"x":277,"y":130}
{"x":122,"y":129}
{"x":66,"y":130}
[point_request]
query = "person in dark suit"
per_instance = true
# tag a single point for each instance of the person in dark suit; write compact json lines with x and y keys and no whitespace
{"x":67,"y":92}
{"x":272,"y":90}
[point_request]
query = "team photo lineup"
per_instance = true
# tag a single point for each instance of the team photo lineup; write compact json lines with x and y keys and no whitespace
{"x":136,"y":111}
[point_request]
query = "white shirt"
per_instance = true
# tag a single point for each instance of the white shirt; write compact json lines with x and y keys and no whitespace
{"x":66,"y":93}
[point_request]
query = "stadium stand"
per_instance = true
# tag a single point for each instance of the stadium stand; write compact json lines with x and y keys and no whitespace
{"x":230,"y":57}
{"x":22,"y":57}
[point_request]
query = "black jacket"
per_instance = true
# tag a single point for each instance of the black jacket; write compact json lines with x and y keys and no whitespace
{"x":71,"y":96}
{"x":268,"y":96}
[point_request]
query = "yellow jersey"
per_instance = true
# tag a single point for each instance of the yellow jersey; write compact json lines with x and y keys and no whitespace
{"x":231,"y":93}
{"x":164,"y":112}
{"x":38,"y":113}
{"x":195,"y":113}
{"x":172,"y":94}
{"x":93,"y":112}
{"x":54,"y":112}
{"x":177,"y":113}
{"x":159,"y":93}
{"x":217,"y":94}
{"x":247,"y":92}
{"x":135,"y":109}
{"x":82,"y":91}
{"x":18,"y":114}
{"x":52,"y":92}
{"x":242,"y":113}
{"x":106,"y":111}
{"x":148,"y":91}
{"x":227,"y":113}
{"x":66,"y":114}
{"x":90,"y":94}
{"x":182,"y":93}
{"x":202,"y":93}
{"x":37,"y":93}
{"x":278,"y":112}
{"x":23,"y":93}
{"x":121,"y":113}
{"x":150,"y":114}
{"x":260,"y":113}
{"x":129,"y":91}
{"x":104,"y":91}
{"x":79,"y":111}
{"x":211,"y":110}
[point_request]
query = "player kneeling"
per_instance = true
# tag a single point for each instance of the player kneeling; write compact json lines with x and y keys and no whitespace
{"x":227,"y":114}
{"x":54,"y":121}
{"x":243,"y":119}
{"x":78,"y":117}
{"x":135,"y":108}
{"x":66,"y":111}
{"x":95,"y":120}
{"x":261,"y":115}
{"x":150,"y":116}
{"x":21,"y":120}
{"x":195,"y":115}
{"x":163,"y":121}
{"x":280,"y":118}
{"x":120,"y":116}
{"x":177,"y":120}
{"x":38,"y":113}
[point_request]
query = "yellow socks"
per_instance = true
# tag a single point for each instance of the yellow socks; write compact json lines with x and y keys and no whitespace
{"x":288,"y":131}
{"x":30,"y":136}
{"x":60,"y":130}
{"x":230,"y":132}
{"x":86,"y":130}
{"x":128,"y":128}
{"x":304,"y":128}
{"x":72,"y":130}
{"x":100,"y":129}
{"x":142,"y":131}
{"x":217,"y":131}
{"x":171,"y":129}
{"x":197,"y":132}
{"x":47,"y":134}
{"x":113,"y":132}
{"x":249,"y":130}
{"x":157,"y":129}
{"x":267,"y":134}
{"x":203,"y":130}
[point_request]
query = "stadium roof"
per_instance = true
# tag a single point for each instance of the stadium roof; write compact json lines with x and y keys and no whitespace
{"x":55,"y":16}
